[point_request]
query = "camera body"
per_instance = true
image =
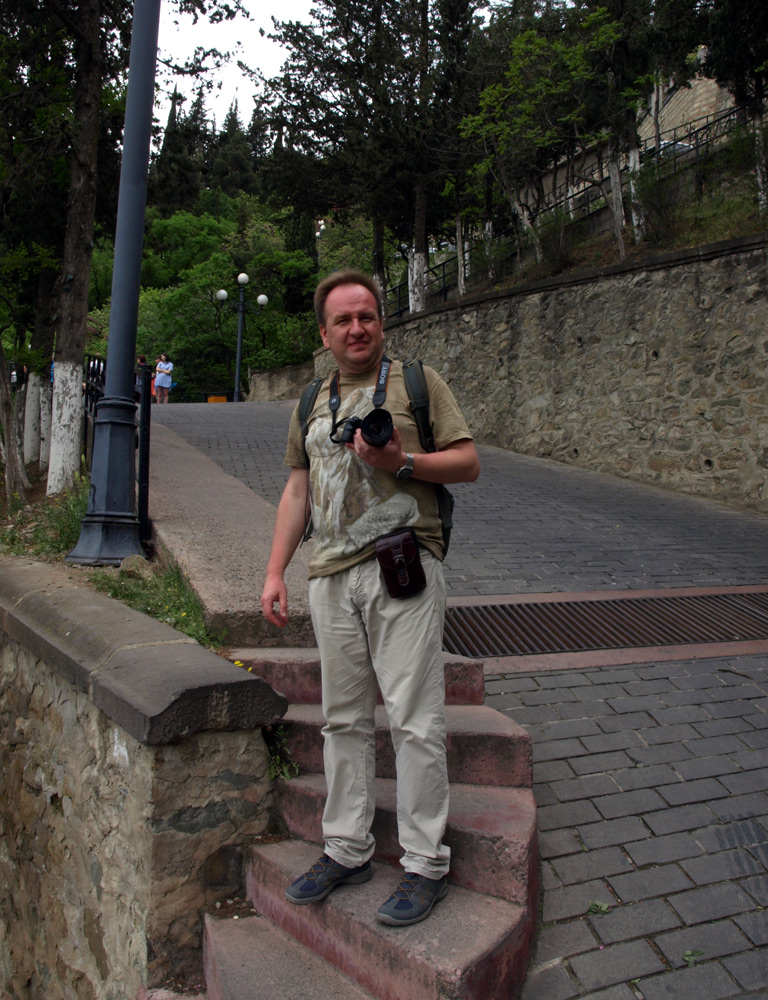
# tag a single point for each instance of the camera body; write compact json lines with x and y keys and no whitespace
{"x":376,"y":428}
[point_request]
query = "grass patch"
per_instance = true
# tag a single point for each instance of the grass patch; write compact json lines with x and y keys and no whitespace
{"x":721,"y":217}
{"x":164,"y":595}
{"x":47,"y":529}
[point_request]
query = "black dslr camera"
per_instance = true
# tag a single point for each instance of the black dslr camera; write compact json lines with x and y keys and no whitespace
{"x":376,"y":428}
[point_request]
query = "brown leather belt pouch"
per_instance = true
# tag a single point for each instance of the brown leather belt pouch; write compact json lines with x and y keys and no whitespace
{"x":400,"y":562}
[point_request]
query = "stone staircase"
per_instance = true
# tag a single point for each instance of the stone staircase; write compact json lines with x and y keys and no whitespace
{"x":477,"y":942}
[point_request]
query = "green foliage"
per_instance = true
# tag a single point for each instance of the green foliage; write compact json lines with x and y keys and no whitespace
{"x":281,"y":764}
{"x":179,"y":243}
{"x":662,"y":207}
{"x":542,"y":110}
{"x":163,"y":594}
{"x":345,"y":245}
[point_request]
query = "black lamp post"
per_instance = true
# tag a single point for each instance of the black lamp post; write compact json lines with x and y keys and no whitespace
{"x":110,"y":528}
{"x":221,"y":295}
{"x":319,"y":232}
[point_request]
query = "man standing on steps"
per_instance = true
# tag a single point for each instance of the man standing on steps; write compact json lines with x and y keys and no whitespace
{"x":358,"y":489}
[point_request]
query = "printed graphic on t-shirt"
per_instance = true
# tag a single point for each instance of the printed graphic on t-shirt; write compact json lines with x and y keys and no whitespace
{"x":357,"y":505}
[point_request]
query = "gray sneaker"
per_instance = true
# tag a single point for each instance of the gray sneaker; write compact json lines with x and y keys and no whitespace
{"x":412,"y":900}
{"x":322,"y":878}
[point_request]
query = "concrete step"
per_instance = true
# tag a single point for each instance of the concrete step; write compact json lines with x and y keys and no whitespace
{"x":250,"y":958}
{"x":491,"y":831}
{"x":471,"y":948}
{"x":484,"y":747}
{"x":296,"y":673}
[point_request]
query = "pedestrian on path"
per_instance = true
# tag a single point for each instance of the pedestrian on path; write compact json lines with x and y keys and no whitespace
{"x":365,"y":491}
{"x":163,"y":371}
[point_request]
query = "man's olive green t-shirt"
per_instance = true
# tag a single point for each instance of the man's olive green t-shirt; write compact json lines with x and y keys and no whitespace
{"x":353,"y":503}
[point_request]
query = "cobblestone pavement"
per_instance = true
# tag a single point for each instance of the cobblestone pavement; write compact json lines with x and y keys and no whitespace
{"x":651,"y":779}
{"x":526,"y":526}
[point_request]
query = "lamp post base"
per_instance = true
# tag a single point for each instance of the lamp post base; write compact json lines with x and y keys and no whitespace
{"x":106,"y":539}
{"x":110,"y":531}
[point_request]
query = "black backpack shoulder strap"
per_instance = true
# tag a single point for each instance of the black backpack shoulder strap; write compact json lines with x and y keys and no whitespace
{"x":306,"y":405}
{"x":418,"y":394}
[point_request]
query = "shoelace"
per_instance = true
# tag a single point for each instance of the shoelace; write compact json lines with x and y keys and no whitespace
{"x":319,"y":867}
{"x":408,"y":885}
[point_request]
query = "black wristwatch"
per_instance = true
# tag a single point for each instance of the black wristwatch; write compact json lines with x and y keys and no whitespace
{"x":406,"y":471}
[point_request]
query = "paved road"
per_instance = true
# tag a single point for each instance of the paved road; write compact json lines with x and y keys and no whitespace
{"x":526,"y":526}
{"x":651,"y":779}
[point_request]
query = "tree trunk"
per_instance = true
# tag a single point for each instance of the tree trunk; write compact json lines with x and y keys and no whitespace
{"x":761,"y":160}
{"x":16,"y":482}
{"x":525,"y":217}
{"x":616,"y":202}
{"x":657,"y":116}
{"x":66,"y":426}
{"x":45,"y":424}
{"x":379,"y":267}
{"x":42,"y":344}
{"x":418,"y":253}
{"x":488,"y":227}
{"x":72,"y":289}
{"x":633,"y":155}
{"x":460,"y":280}
{"x":32,"y":420}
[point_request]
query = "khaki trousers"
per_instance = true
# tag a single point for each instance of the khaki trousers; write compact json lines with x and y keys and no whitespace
{"x":365,"y":636}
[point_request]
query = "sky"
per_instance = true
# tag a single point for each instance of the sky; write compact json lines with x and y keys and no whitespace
{"x":180,"y":41}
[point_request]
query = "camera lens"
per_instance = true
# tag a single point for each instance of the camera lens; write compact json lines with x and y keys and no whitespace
{"x":377,"y":427}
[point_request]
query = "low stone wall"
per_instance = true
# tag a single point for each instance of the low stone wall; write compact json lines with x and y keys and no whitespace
{"x":280,"y":383}
{"x":655,"y":371}
{"x":134,"y":770}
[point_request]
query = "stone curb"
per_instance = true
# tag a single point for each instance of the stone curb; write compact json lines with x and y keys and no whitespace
{"x":159,"y":685}
{"x":219,"y":532}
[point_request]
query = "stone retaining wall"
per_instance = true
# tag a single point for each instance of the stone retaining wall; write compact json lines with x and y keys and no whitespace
{"x":280,"y":383}
{"x":134,"y":769}
{"x":654,"y":371}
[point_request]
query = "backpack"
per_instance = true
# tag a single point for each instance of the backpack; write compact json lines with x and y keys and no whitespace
{"x":418,"y":394}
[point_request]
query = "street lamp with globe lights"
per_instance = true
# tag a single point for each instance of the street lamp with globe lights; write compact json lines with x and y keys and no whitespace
{"x":262,"y":300}
{"x":319,"y":237}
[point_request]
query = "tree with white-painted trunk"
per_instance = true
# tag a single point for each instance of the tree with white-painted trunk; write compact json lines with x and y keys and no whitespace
{"x":32,"y":420}
{"x":74,"y":276}
{"x":46,"y":399}
{"x":16,"y":481}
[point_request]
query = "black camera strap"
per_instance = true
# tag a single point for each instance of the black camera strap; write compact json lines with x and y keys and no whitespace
{"x":379,"y":393}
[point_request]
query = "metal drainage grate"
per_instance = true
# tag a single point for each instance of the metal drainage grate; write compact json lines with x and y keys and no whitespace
{"x":575,"y":626}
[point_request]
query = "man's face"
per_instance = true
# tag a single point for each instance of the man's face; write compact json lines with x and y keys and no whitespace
{"x":353,"y":332}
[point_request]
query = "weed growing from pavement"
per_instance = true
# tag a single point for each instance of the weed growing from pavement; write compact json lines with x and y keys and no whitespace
{"x":281,"y":764}
{"x":165,"y":595}
{"x":597,"y":907}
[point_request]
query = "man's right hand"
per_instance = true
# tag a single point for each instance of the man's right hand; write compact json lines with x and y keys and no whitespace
{"x":275,"y":593}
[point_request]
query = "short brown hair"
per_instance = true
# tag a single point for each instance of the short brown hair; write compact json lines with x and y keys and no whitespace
{"x":339,"y":278}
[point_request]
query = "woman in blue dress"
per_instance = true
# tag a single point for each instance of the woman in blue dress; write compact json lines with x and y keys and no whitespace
{"x":163,"y":378}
